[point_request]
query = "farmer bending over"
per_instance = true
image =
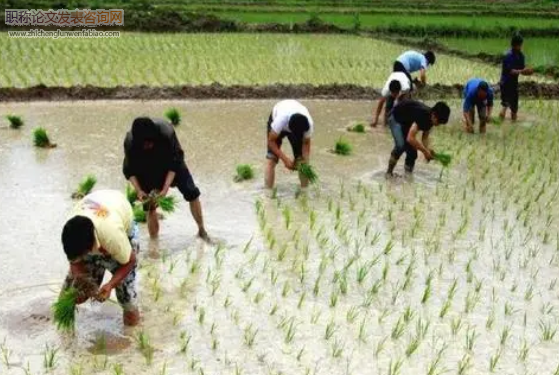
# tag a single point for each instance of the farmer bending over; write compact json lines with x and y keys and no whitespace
{"x":154,"y":161}
{"x":477,"y":93}
{"x":411,"y":61}
{"x":290,"y":119}
{"x":407,"y":119}
{"x":395,"y":89}
{"x":100,"y":236}
{"x":513,"y":67}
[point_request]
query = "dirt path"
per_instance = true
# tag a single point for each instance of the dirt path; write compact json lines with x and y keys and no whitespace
{"x":217,"y":91}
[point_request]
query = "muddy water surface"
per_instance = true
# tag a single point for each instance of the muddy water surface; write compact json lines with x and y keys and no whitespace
{"x":355,"y":269}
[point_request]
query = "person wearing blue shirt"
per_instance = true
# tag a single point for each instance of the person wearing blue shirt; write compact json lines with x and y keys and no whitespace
{"x":477,"y":93}
{"x":411,"y":61}
{"x":513,"y":66}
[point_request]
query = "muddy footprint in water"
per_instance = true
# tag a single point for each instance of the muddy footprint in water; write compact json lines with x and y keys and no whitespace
{"x":40,"y":318}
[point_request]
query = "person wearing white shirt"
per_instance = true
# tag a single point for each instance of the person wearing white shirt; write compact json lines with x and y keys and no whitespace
{"x":292,"y":120}
{"x":397,"y":88}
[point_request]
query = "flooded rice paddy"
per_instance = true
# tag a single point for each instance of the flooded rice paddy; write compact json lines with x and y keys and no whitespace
{"x":451,"y":273}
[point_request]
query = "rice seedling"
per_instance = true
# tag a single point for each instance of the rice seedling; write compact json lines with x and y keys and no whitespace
{"x":16,"y":122}
{"x":167,"y":203}
{"x":290,"y":331}
{"x":85,"y":187}
{"x":380,"y":345}
{"x":139,"y":213}
{"x":174,"y":116}
{"x":398,"y":329}
{"x":395,"y":367}
{"x":547,"y":331}
{"x":524,"y":351}
{"x":494,"y":360}
{"x":41,"y":138}
{"x":456,"y":325}
{"x":433,"y":367}
{"x":64,"y":310}
{"x":330,"y":330}
{"x":464,"y":364}
{"x":362,"y":337}
{"x":337,"y":349}
{"x":244,"y":172}
{"x":50,"y":357}
{"x":505,"y":333}
{"x":118,"y":369}
{"x":308,"y":171}
{"x":201,"y":315}
{"x":6,"y":352}
{"x":471,"y":336}
{"x":343,"y":147}
{"x":357,"y":128}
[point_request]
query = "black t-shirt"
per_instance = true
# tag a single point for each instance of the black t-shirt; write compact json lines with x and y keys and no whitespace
{"x":152,"y":166}
{"x":408,"y":112}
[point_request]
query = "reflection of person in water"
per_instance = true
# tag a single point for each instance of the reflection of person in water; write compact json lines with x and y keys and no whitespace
{"x":100,"y":236}
{"x":154,"y":161}
{"x":289,"y":119}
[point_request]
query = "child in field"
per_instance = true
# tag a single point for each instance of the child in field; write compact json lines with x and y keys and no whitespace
{"x":477,"y":94}
{"x":411,"y":61}
{"x":408,"y":118}
{"x":513,"y":66}
{"x":100,"y":236}
{"x":289,"y":119}
{"x":396,"y":88}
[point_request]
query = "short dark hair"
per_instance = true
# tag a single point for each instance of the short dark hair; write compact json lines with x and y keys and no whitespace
{"x":516,"y":40}
{"x":395,"y":86}
{"x":78,"y":237}
{"x":144,"y":129}
{"x":442,"y":111}
{"x":483,"y":86}
{"x":299,"y":124}
{"x":430,"y":56}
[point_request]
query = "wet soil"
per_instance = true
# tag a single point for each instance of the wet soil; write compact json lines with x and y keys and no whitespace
{"x":217,"y":91}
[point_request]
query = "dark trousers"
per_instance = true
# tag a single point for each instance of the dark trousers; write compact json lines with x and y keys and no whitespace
{"x":401,"y":145}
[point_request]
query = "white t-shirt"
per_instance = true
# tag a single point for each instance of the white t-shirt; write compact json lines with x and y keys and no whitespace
{"x":396,"y":76}
{"x":283,"y":111}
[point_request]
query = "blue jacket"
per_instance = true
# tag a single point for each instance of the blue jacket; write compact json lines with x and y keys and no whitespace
{"x":512,"y":61}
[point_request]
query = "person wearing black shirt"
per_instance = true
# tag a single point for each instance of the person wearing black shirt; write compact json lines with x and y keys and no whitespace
{"x":154,"y":161}
{"x":407,"y":119}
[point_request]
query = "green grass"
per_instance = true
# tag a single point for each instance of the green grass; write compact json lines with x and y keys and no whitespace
{"x":16,"y":122}
{"x":538,"y":51}
{"x":244,"y":172}
{"x":201,"y":59}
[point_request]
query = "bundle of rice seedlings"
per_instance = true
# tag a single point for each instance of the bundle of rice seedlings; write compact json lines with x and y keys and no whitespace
{"x":308,"y":171}
{"x":244,"y":172}
{"x":15,"y":121}
{"x":85,"y":187}
{"x":174,"y":116}
{"x":139,"y":213}
{"x":41,"y":138}
{"x":357,"y":128}
{"x":342,"y":147}
{"x":443,"y":158}
{"x":167,"y":203}
{"x":64,"y":309}
{"x":131,"y":194}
